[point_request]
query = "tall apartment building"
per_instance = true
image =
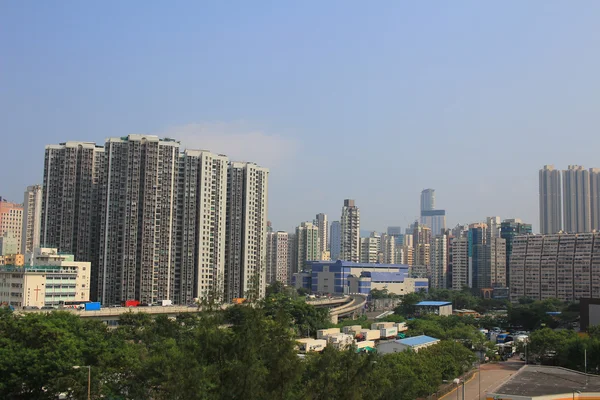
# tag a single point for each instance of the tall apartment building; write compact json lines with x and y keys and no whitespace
{"x":550,"y":200}
{"x":369,"y":249}
{"x":576,"y":199}
{"x":509,"y":229}
{"x":595,"y":198}
{"x":277,"y":257}
{"x":11,"y":220}
{"x":405,"y":255}
{"x":138,"y":220}
{"x":488,"y":257}
{"x":563,"y":266}
{"x":422,"y":245}
{"x":439,"y":262}
{"x":323,"y":225}
{"x":387,"y":249}
{"x":245,"y":256}
{"x":32,"y":219}
{"x":493,"y":226}
{"x":350,"y":232}
{"x":461,"y":275}
{"x":200,"y":226}
{"x":307,"y":243}
{"x":70,"y":197}
{"x":292,"y":256}
{"x":335,"y":240}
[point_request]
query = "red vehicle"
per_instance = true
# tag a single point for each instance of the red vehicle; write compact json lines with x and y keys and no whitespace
{"x":131,"y":303}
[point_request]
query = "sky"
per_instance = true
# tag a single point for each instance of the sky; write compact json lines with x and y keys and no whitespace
{"x":372,"y":101}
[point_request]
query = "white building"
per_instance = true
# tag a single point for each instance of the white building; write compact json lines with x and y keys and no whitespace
{"x":32,"y":219}
{"x":48,"y":279}
{"x":369,"y":249}
{"x":277,"y":257}
{"x":350,"y":232}
{"x":439,"y":261}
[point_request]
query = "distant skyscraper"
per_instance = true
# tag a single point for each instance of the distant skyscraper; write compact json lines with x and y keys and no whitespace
{"x":388,"y":249}
{"x":394,"y":230}
{"x":350,"y":232}
{"x":32,"y":219}
{"x":428,"y":200}
{"x":246,"y":230}
{"x":550,"y":200}
{"x":307,"y":244}
{"x":510,"y":228}
{"x":70,"y":199}
{"x":137,"y":210}
{"x":460,"y":263}
{"x":595,"y":198}
{"x":323,"y":225}
{"x":335,"y":240}
{"x":493,"y":224}
{"x":439,"y":262}
{"x":277,"y":257}
{"x":292,"y":256}
{"x":576,"y":200}
{"x":11,"y":223}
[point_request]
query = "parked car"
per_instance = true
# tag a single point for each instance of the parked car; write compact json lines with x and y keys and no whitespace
{"x":31,"y":308}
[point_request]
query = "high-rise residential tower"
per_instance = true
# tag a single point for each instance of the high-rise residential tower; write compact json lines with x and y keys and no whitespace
{"x":550,"y":200}
{"x":323,"y":225}
{"x":576,"y":199}
{"x":70,"y":198}
{"x":350,"y":232}
{"x":32,"y":219}
{"x":439,"y":262}
{"x":138,"y":220}
{"x":461,"y":275}
{"x":277,"y":257}
{"x":369,"y":249}
{"x":200,"y":224}
{"x":335,"y":240}
{"x":245,"y":256}
{"x":509,"y":229}
{"x":307,"y":244}
{"x":11,"y":222}
{"x":595,"y":198}
{"x":493,"y":226}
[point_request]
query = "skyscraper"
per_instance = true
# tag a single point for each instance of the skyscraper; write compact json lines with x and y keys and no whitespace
{"x":428,"y":200}
{"x":460,"y":263}
{"x":70,"y":198}
{"x":439,"y":262}
{"x":576,"y":199}
{"x":11,"y":223}
{"x":394,"y":230}
{"x":137,"y":214}
{"x":369,"y":249}
{"x":32,"y":219}
{"x":335,"y":240}
{"x":307,"y":244}
{"x":292,"y":256}
{"x":595,"y":198}
{"x":246,"y":230}
{"x":350,"y":232}
{"x":277,"y":257}
{"x":550,"y":200}
{"x":200,"y":226}
{"x":323,"y":225}
{"x":493,"y":226}
{"x":388,"y":249}
{"x":509,"y":229}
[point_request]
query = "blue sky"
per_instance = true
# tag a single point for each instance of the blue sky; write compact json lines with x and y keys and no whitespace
{"x":340,"y":99}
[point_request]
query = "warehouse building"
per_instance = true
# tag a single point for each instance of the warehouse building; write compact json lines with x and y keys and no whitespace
{"x":441,"y":308}
{"x":415,"y":343}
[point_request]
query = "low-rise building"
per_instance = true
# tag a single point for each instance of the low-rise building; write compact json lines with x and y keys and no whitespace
{"x":306,"y":345}
{"x":441,"y":308}
{"x":415,"y":343}
{"x":17,"y":260}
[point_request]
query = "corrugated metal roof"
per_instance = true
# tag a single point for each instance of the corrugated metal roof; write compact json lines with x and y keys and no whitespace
{"x":434,"y":303}
{"x":417,"y":340}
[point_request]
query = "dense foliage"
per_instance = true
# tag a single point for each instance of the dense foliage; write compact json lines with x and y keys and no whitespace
{"x":247,"y":352}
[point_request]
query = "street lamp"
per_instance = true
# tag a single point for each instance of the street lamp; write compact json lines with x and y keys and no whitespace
{"x":89,"y":367}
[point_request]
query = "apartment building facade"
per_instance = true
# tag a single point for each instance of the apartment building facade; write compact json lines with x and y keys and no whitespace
{"x":32,"y":219}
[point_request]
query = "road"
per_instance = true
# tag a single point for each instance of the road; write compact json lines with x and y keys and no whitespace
{"x":491,"y":375}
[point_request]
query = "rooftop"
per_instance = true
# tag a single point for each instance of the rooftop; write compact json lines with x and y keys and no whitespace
{"x":538,"y":380}
{"x":434,"y":303}
{"x":417,"y":340}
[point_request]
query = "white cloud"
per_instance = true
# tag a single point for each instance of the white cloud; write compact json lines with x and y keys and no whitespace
{"x":237,"y":140}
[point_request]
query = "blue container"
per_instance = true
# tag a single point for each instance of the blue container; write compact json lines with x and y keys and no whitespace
{"x":93,"y":306}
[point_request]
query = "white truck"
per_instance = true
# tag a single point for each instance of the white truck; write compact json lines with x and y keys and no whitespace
{"x":381,"y":325}
{"x":307,"y":345}
{"x":351,"y":328}
{"x":322,"y":333}
{"x":402,"y":327}
{"x":165,"y":303}
{"x":371,"y":334}
{"x":387,"y":333}
{"x":365,"y":343}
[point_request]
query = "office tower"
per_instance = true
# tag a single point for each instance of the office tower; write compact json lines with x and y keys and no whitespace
{"x":595,"y":198}
{"x":307,"y":243}
{"x":563,"y":266}
{"x":11,"y":221}
{"x":200,"y":226}
{"x":439,"y":262}
{"x":350,"y":232}
{"x":493,"y":225}
{"x":369,"y":249}
{"x":460,"y":263}
{"x":388,"y":249}
{"x":323,"y":225}
{"x":137,"y":214}
{"x":246,"y":230}
{"x":550,"y":200}
{"x":394,"y":230}
{"x":277,"y":257}
{"x":292,"y":257}
{"x":509,"y":228}
{"x":576,"y":199}
{"x":428,"y":200}
{"x":477,"y":242}
{"x":32,"y":219}
{"x":70,"y":199}
{"x":335,"y":240}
